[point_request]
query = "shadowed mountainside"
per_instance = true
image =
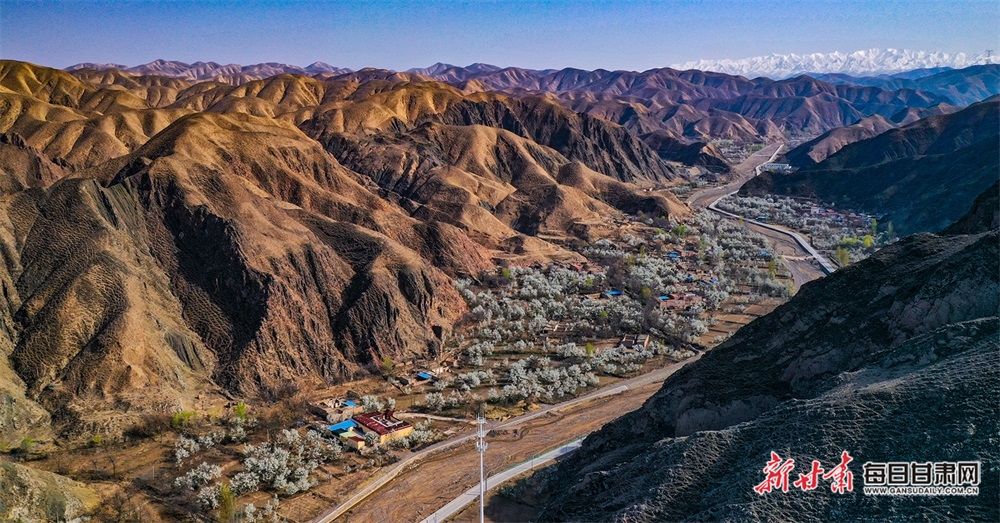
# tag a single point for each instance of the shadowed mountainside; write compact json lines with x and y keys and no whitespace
{"x":921,"y":176}
{"x":894,"y":358}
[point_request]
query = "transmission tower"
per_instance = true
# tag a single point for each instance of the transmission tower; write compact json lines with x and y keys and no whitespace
{"x":989,"y":56}
{"x":481,"y":446}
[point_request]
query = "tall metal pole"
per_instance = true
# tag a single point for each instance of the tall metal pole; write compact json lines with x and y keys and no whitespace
{"x":481,"y":446}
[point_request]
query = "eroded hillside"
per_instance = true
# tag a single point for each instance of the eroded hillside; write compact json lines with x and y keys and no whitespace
{"x":167,"y":238}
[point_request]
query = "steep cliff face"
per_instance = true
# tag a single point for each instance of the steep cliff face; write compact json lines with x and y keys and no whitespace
{"x":893,"y":359}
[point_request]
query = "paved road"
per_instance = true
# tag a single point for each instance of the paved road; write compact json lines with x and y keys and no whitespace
{"x":743,"y":172}
{"x":496,"y":480}
{"x":804,"y":268}
{"x":825,"y":264}
{"x":335,"y":512}
{"x":788,"y":243}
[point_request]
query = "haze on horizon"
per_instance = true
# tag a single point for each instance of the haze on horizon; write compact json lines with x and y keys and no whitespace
{"x":550,"y":34}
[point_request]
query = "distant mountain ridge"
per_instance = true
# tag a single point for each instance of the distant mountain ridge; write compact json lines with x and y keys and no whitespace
{"x":678,"y":113}
{"x":864,"y":62}
{"x":961,"y":86}
{"x":214,"y":71}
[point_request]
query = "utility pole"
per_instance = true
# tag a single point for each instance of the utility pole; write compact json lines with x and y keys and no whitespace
{"x":481,"y":447}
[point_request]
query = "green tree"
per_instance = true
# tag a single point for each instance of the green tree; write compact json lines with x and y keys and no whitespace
{"x":240,"y":410}
{"x":27,"y":445}
{"x":890,"y":231}
{"x":874,"y":226}
{"x":182,"y":418}
{"x":589,"y":349}
{"x":505,"y":273}
{"x":388,"y":367}
{"x":842,"y":256}
{"x":772,"y":269}
{"x":227,"y":504}
{"x":868,"y":241}
{"x":680,"y":230}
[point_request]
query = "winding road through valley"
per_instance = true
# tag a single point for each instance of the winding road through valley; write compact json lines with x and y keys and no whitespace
{"x":801,"y":259}
{"x":411,"y":492}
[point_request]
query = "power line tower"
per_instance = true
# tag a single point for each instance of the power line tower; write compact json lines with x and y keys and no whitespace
{"x":989,"y":56}
{"x":481,"y":446}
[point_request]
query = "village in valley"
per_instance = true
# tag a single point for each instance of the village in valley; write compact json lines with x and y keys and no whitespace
{"x":845,"y":236}
{"x":647,"y":293}
{"x":635,"y":294}
{"x":632,"y":295}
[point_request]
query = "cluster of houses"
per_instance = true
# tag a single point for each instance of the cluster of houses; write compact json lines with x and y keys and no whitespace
{"x":356,"y":428}
{"x":846,"y":218}
{"x":679,"y":301}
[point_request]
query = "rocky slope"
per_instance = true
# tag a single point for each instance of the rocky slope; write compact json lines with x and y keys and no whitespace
{"x":984,"y":215}
{"x":921,"y":176}
{"x":32,"y":495}
{"x":892,"y":359}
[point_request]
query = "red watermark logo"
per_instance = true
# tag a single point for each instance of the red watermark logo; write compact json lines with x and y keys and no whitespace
{"x":840,"y":477}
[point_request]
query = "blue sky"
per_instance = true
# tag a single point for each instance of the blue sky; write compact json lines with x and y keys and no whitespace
{"x":402,"y":34}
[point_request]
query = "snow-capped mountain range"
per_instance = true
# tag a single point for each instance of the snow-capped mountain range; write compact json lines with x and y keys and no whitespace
{"x":865,"y":63}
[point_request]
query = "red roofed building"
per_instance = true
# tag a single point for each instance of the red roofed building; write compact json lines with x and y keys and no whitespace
{"x":383,"y":425}
{"x":680,"y":301}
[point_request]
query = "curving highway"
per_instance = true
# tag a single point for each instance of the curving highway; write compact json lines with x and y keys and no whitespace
{"x":801,"y":259}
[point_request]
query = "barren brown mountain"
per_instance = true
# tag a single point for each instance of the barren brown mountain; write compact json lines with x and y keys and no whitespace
{"x":165,"y":238}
